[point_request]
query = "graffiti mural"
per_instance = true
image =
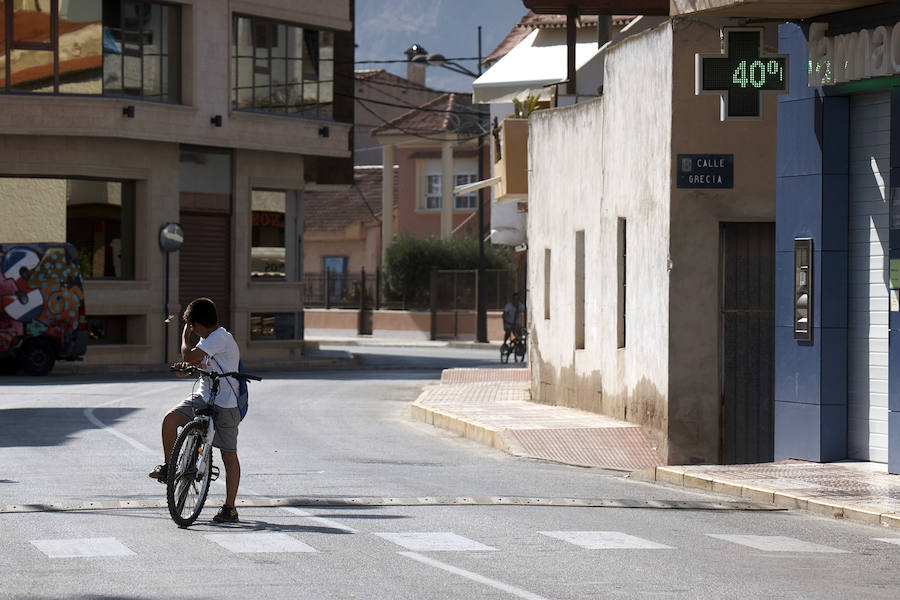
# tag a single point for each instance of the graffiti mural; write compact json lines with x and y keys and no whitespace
{"x":41,"y":295}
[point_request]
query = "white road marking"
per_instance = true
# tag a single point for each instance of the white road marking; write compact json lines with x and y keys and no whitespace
{"x":605,"y":540}
{"x":82,"y":548}
{"x":240,"y":543}
{"x":89,"y":413}
{"x":499,"y":585}
{"x":776,"y":543}
{"x":435,"y":542}
{"x":320,"y":520}
{"x":889,"y":540}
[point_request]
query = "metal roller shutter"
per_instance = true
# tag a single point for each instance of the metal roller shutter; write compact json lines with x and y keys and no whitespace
{"x":868,"y":302}
{"x":205,"y":264}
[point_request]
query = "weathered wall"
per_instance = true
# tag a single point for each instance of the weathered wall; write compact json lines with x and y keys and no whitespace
{"x":592,"y":164}
{"x":695,"y":396}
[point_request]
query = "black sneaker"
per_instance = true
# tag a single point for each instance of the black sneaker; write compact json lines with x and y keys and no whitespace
{"x":160,"y":473}
{"x":226,"y":514}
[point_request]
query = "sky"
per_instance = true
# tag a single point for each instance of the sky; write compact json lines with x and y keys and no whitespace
{"x":385,"y":29}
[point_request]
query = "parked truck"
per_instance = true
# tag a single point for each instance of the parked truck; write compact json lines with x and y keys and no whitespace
{"x":42,"y":316}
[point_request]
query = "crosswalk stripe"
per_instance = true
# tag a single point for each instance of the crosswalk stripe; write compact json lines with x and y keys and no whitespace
{"x":440,"y":541}
{"x":776,"y":543}
{"x":82,"y":547}
{"x":605,"y":540}
{"x":240,"y":543}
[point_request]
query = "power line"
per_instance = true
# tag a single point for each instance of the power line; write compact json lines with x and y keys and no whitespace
{"x":467,"y":137}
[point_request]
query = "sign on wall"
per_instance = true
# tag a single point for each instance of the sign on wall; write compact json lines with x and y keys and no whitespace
{"x":742,"y":74}
{"x":706,"y":171}
{"x":858,"y":55}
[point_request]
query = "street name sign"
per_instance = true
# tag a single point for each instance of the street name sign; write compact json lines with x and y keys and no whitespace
{"x":706,"y":171}
{"x":742,"y":74}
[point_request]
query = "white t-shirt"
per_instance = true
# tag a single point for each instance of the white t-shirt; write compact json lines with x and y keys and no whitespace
{"x":220,"y":345}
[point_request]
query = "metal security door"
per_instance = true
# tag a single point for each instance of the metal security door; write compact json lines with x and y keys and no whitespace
{"x":748,"y":327}
{"x":867,"y":292}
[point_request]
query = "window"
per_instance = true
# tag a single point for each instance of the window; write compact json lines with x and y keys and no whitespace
{"x":546,"y":283}
{"x":108,"y":47}
{"x":579,"y":290}
{"x":95,"y":216}
{"x":433,"y":194}
{"x":273,"y":326}
{"x":282,"y":68}
{"x":107,"y":329}
{"x":621,"y":283}
{"x":141,"y":50}
{"x":267,"y":245}
{"x":100,"y":224}
{"x":468,"y":201}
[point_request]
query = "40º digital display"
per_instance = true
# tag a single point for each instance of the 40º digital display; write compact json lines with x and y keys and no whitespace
{"x":742,"y":74}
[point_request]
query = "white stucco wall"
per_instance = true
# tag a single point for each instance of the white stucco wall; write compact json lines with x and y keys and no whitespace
{"x":590,"y":165}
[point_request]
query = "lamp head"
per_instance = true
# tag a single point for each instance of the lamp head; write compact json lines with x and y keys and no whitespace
{"x":437,"y":59}
{"x":414,"y":52}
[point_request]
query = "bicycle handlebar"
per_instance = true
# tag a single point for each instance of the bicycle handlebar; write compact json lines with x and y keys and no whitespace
{"x":212,"y":374}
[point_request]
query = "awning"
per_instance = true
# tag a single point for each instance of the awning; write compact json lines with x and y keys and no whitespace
{"x":536,"y":62}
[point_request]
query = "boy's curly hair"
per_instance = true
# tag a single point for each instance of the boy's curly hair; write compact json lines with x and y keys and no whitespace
{"x":203,"y":311}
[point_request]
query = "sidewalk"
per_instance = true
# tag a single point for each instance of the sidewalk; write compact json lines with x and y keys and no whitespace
{"x":493,"y":407}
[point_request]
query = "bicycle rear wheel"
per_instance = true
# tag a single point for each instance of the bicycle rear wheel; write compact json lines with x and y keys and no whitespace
{"x":186,"y":487}
{"x":520,"y":351}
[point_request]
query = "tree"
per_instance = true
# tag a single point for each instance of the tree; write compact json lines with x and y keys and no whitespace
{"x":409,"y":261}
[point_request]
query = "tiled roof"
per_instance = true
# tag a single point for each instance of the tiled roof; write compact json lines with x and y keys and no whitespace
{"x":448,"y":113}
{"x":532,"y":21}
{"x":334,"y":211}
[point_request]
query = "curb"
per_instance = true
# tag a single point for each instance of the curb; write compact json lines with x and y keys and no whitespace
{"x":477,"y":432}
{"x":819,"y":506}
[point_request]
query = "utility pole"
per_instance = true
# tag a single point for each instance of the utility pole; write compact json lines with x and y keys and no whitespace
{"x":480,"y":310}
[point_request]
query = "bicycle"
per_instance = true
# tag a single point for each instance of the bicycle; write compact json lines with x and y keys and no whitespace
{"x":515,"y":345}
{"x":191,"y":467}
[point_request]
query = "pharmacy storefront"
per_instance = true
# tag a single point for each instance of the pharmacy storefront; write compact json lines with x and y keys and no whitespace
{"x":837,"y":386}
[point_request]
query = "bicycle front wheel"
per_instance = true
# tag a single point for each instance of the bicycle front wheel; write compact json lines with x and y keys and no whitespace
{"x":504,"y":353}
{"x":186,"y":486}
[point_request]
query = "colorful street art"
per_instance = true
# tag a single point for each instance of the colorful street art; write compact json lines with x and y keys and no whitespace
{"x":41,"y":294}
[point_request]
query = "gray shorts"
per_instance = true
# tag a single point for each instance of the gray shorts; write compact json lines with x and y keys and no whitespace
{"x":226,"y":421}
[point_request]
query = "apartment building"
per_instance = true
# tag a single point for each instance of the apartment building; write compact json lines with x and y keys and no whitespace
{"x":120,"y":117}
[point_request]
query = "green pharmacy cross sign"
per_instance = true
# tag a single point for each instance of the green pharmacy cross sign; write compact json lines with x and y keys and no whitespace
{"x":742,"y":74}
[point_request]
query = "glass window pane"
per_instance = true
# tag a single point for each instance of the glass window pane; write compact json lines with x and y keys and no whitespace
{"x":273,"y":326}
{"x":100,"y":224}
{"x":31,"y":23}
{"x":32,"y":71}
{"x":81,"y":47}
{"x":267,"y":249}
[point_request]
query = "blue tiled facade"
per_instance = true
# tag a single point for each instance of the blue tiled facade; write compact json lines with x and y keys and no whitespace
{"x":812,"y":201}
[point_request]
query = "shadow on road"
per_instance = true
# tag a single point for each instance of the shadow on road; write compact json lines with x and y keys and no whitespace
{"x":50,"y":426}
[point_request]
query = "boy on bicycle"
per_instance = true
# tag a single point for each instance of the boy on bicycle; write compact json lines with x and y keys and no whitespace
{"x":216,"y":351}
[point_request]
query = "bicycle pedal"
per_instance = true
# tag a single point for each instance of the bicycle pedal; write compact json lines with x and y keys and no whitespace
{"x":214,"y":473}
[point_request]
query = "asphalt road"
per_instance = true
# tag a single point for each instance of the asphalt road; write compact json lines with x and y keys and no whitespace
{"x":393,"y":508}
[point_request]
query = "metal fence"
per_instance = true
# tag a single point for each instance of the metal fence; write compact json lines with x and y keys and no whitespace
{"x":449,"y":290}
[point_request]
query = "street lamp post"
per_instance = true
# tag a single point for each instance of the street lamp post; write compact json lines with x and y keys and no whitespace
{"x":439,"y":60}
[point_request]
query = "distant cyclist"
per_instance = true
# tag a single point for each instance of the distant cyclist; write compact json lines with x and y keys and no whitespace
{"x":216,"y":351}
{"x":512,"y":317}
